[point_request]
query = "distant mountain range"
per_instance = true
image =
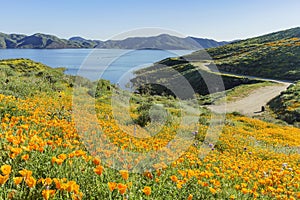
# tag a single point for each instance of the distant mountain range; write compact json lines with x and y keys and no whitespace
{"x":163,"y":41}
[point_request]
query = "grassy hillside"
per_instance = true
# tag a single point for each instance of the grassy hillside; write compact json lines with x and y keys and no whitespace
{"x":25,"y":78}
{"x":276,"y":55}
{"x":287,"y":105}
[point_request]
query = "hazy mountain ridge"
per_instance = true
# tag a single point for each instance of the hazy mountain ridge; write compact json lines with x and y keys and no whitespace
{"x":163,"y":41}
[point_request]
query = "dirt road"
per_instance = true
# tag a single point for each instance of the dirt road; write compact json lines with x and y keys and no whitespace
{"x":251,"y":105}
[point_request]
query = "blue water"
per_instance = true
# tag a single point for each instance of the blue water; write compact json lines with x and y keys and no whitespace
{"x":111,"y":64}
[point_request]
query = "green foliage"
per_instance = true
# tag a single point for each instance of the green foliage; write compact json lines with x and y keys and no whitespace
{"x":144,"y":116}
{"x":287,"y":104}
{"x":154,"y":109}
{"x":157,"y":114}
{"x":143,"y":119}
{"x":101,"y":88}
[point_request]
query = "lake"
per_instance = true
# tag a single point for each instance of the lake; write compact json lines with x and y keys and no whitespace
{"x":112,"y":64}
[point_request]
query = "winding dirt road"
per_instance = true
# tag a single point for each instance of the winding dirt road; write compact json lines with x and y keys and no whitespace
{"x":251,"y":105}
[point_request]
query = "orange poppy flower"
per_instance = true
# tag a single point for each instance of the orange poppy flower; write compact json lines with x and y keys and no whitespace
{"x":25,"y":173}
{"x":147,"y":190}
{"x":112,"y":186}
{"x":212,"y":190}
{"x":72,"y":186}
{"x":48,"y":181}
{"x":122,"y":188}
{"x":174,"y":178}
{"x":25,"y":157}
{"x":124,"y":174}
{"x":48,"y":193}
{"x":96,"y":161}
{"x":98,"y":170}
{"x":18,"y":180}
{"x":6,"y":169}
{"x":3,"y":179}
{"x":148,"y":175}
{"x":62,"y":156}
{"x":31,"y":182}
{"x":190,"y":197}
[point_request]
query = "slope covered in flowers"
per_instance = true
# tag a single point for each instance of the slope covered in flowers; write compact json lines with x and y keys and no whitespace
{"x":44,"y":154}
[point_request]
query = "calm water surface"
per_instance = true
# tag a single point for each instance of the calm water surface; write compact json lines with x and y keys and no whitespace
{"x":112,"y":64}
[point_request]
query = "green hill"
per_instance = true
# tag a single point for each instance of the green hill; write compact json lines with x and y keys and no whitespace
{"x":36,"y":41}
{"x":176,"y":74}
{"x":275,"y":55}
{"x":25,"y":78}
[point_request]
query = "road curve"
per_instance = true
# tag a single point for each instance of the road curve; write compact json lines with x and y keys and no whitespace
{"x":251,"y":105}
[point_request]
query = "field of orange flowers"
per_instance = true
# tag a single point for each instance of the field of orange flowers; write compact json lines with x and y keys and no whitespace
{"x":43,"y":156}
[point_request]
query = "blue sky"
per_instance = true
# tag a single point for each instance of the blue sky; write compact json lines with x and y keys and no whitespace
{"x":98,"y":19}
